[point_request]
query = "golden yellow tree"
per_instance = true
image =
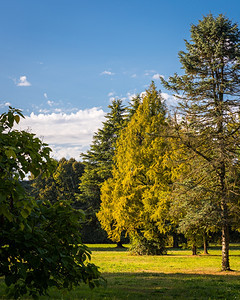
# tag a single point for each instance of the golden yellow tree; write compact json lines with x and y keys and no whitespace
{"x":133,"y":200}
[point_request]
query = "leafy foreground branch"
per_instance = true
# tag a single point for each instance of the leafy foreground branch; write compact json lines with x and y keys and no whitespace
{"x":48,"y":252}
{"x":40,"y":243}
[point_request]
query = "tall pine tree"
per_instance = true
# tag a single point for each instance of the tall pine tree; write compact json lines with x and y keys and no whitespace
{"x":98,"y":163}
{"x":209,"y":112}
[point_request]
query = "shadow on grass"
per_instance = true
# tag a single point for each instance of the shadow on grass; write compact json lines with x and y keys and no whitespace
{"x":145,"y":285}
{"x":218,"y":247}
{"x":113,"y":249}
{"x":169,"y":250}
{"x":212,"y":247}
{"x":134,"y":286}
{"x":175,"y":252}
{"x":233,"y":247}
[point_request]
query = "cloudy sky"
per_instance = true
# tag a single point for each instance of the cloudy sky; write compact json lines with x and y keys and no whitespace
{"x":63,"y":61}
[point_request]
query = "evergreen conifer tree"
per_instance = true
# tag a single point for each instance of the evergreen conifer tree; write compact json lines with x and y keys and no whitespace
{"x":209,"y":113}
{"x":132,"y":198}
{"x":98,"y":163}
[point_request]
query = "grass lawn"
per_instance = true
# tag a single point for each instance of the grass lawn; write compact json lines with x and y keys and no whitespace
{"x":177,"y":275}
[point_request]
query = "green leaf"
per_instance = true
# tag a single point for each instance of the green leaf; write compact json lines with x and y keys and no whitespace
{"x":17,"y":118}
{"x":6,"y":212}
{"x":10,"y":153}
{"x":24,"y":213}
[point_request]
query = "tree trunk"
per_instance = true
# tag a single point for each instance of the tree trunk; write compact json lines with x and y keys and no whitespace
{"x":225,"y":248}
{"x":205,"y":244}
{"x":225,"y":236}
{"x":225,"y":220}
{"x":120,"y":245}
{"x":175,"y":240}
{"x":194,"y":250}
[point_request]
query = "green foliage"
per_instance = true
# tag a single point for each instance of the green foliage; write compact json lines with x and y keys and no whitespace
{"x":40,"y":243}
{"x":62,"y":184}
{"x":48,"y":252}
{"x":134,"y":199}
{"x":154,"y":245}
{"x":67,"y":177}
{"x":133,"y":106}
{"x":98,"y":168}
{"x":193,"y":208}
{"x":209,"y":127}
{"x":20,"y":153}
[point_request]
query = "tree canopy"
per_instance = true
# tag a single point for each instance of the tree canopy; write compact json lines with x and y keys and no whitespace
{"x":131,"y":199}
{"x":40,"y":243}
{"x":62,"y":184}
{"x":209,"y":114}
{"x":98,"y":163}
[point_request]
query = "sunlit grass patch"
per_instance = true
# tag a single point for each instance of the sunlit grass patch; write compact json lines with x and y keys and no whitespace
{"x":112,"y":260}
{"x":177,"y":275}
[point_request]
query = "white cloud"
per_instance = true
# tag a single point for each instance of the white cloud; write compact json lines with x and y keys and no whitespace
{"x":67,"y":151}
{"x":57,"y":110}
{"x":131,"y":95}
{"x":44,"y":111}
{"x":107,"y":73}
{"x":4,"y":104}
{"x":171,"y":101}
{"x":111,"y":94}
{"x":133,"y":75}
{"x":157,"y":76}
{"x":45,"y":95}
{"x":67,"y":134}
{"x":111,"y":99}
{"x":50,"y":103}
{"x":23,"y":81}
{"x":149,"y":72}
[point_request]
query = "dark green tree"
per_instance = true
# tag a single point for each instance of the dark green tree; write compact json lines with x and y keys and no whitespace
{"x":62,"y":184}
{"x":40,"y":243}
{"x":207,"y":122}
{"x":98,"y":163}
{"x":43,"y":187}
{"x":193,"y":207}
{"x":67,"y":177}
{"x":133,"y":106}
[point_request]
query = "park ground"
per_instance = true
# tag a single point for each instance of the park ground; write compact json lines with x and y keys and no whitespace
{"x":177,"y":275}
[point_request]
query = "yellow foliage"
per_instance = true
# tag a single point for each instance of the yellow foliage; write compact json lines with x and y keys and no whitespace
{"x":138,"y":192}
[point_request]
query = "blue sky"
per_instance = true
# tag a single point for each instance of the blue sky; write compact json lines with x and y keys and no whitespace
{"x":62,"y":61}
